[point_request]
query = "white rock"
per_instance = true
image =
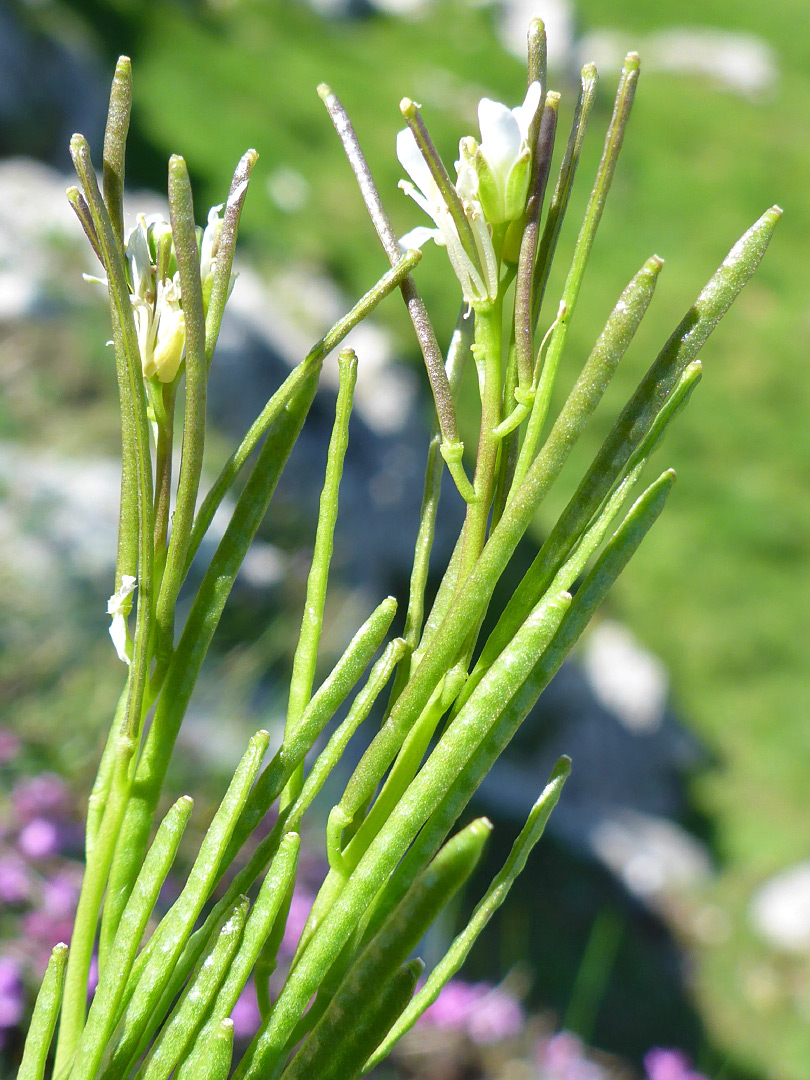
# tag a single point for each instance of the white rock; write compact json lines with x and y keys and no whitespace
{"x":780,"y":910}
{"x":407,"y":8}
{"x":626,"y":679}
{"x":292,"y":310}
{"x":649,"y":854}
{"x":58,"y":509}
{"x":741,"y":63}
{"x":558,"y":17}
{"x":33,"y":213}
{"x":288,"y":188}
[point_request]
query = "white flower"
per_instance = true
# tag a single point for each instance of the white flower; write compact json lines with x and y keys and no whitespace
{"x":118,"y":607}
{"x":156,"y":302}
{"x":208,"y":239}
{"x":478,"y":282}
{"x":209,"y":243}
{"x":497,"y":170}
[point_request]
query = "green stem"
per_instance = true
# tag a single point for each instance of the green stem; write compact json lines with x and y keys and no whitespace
{"x":101,"y":785}
{"x":259,"y":929}
{"x":116,"y":968}
{"x":457,"y":355}
{"x":182,"y":1026}
{"x":184,"y":235}
{"x":454,"y":750}
{"x":579,"y":262}
{"x":93,"y":887}
{"x":330,"y":696}
{"x":574,"y":619}
{"x":580,"y":405}
{"x":290,"y":819}
{"x":192,"y":648}
{"x":508,"y":441}
{"x":402,"y":772}
{"x":134,"y":413}
{"x":370,"y":972}
{"x":306,"y":653}
{"x":141,"y":1017}
{"x":46,"y":1013}
{"x":221,"y":285}
{"x":487,"y":354}
{"x":163,"y":470}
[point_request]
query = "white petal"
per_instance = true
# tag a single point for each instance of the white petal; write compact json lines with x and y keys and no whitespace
{"x":525,"y":113}
{"x":118,"y":633}
{"x":486,"y":252}
{"x":411,"y":160}
{"x":137,"y":252}
{"x":125,"y":589}
{"x":466,"y":176}
{"x":418,"y":236}
{"x":151,"y":220}
{"x":118,"y":608}
{"x":472,"y":287}
{"x":500,"y":136}
{"x":418,"y":198}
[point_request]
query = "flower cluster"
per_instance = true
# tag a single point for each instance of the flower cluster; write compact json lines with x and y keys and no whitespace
{"x":482,"y":1012}
{"x":666,"y":1064}
{"x":39,"y":882}
{"x":492,"y":180}
{"x":157,"y":303}
{"x":156,"y":299}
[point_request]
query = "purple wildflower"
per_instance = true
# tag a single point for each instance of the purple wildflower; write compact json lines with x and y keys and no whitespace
{"x":15,"y":880}
{"x":485,"y":1013}
{"x":300,"y":907}
{"x":39,"y":839}
{"x":665,"y":1064}
{"x":40,"y":796}
{"x":61,"y":894}
{"x":562,"y":1057}
{"x":43,"y":931}
{"x":11,"y":993}
{"x":453,"y":1005}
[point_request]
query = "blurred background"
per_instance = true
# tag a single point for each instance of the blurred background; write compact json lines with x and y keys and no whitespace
{"x":670,"y":905}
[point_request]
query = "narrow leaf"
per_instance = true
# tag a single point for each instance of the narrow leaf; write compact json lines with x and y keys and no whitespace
{"x":455,"y":956}
{"x":173,"y":932}
{"x":189,"y":1013}
{"x":361,"y":987}
{"x":45,"y":1016}
{"x":114,"y":974}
